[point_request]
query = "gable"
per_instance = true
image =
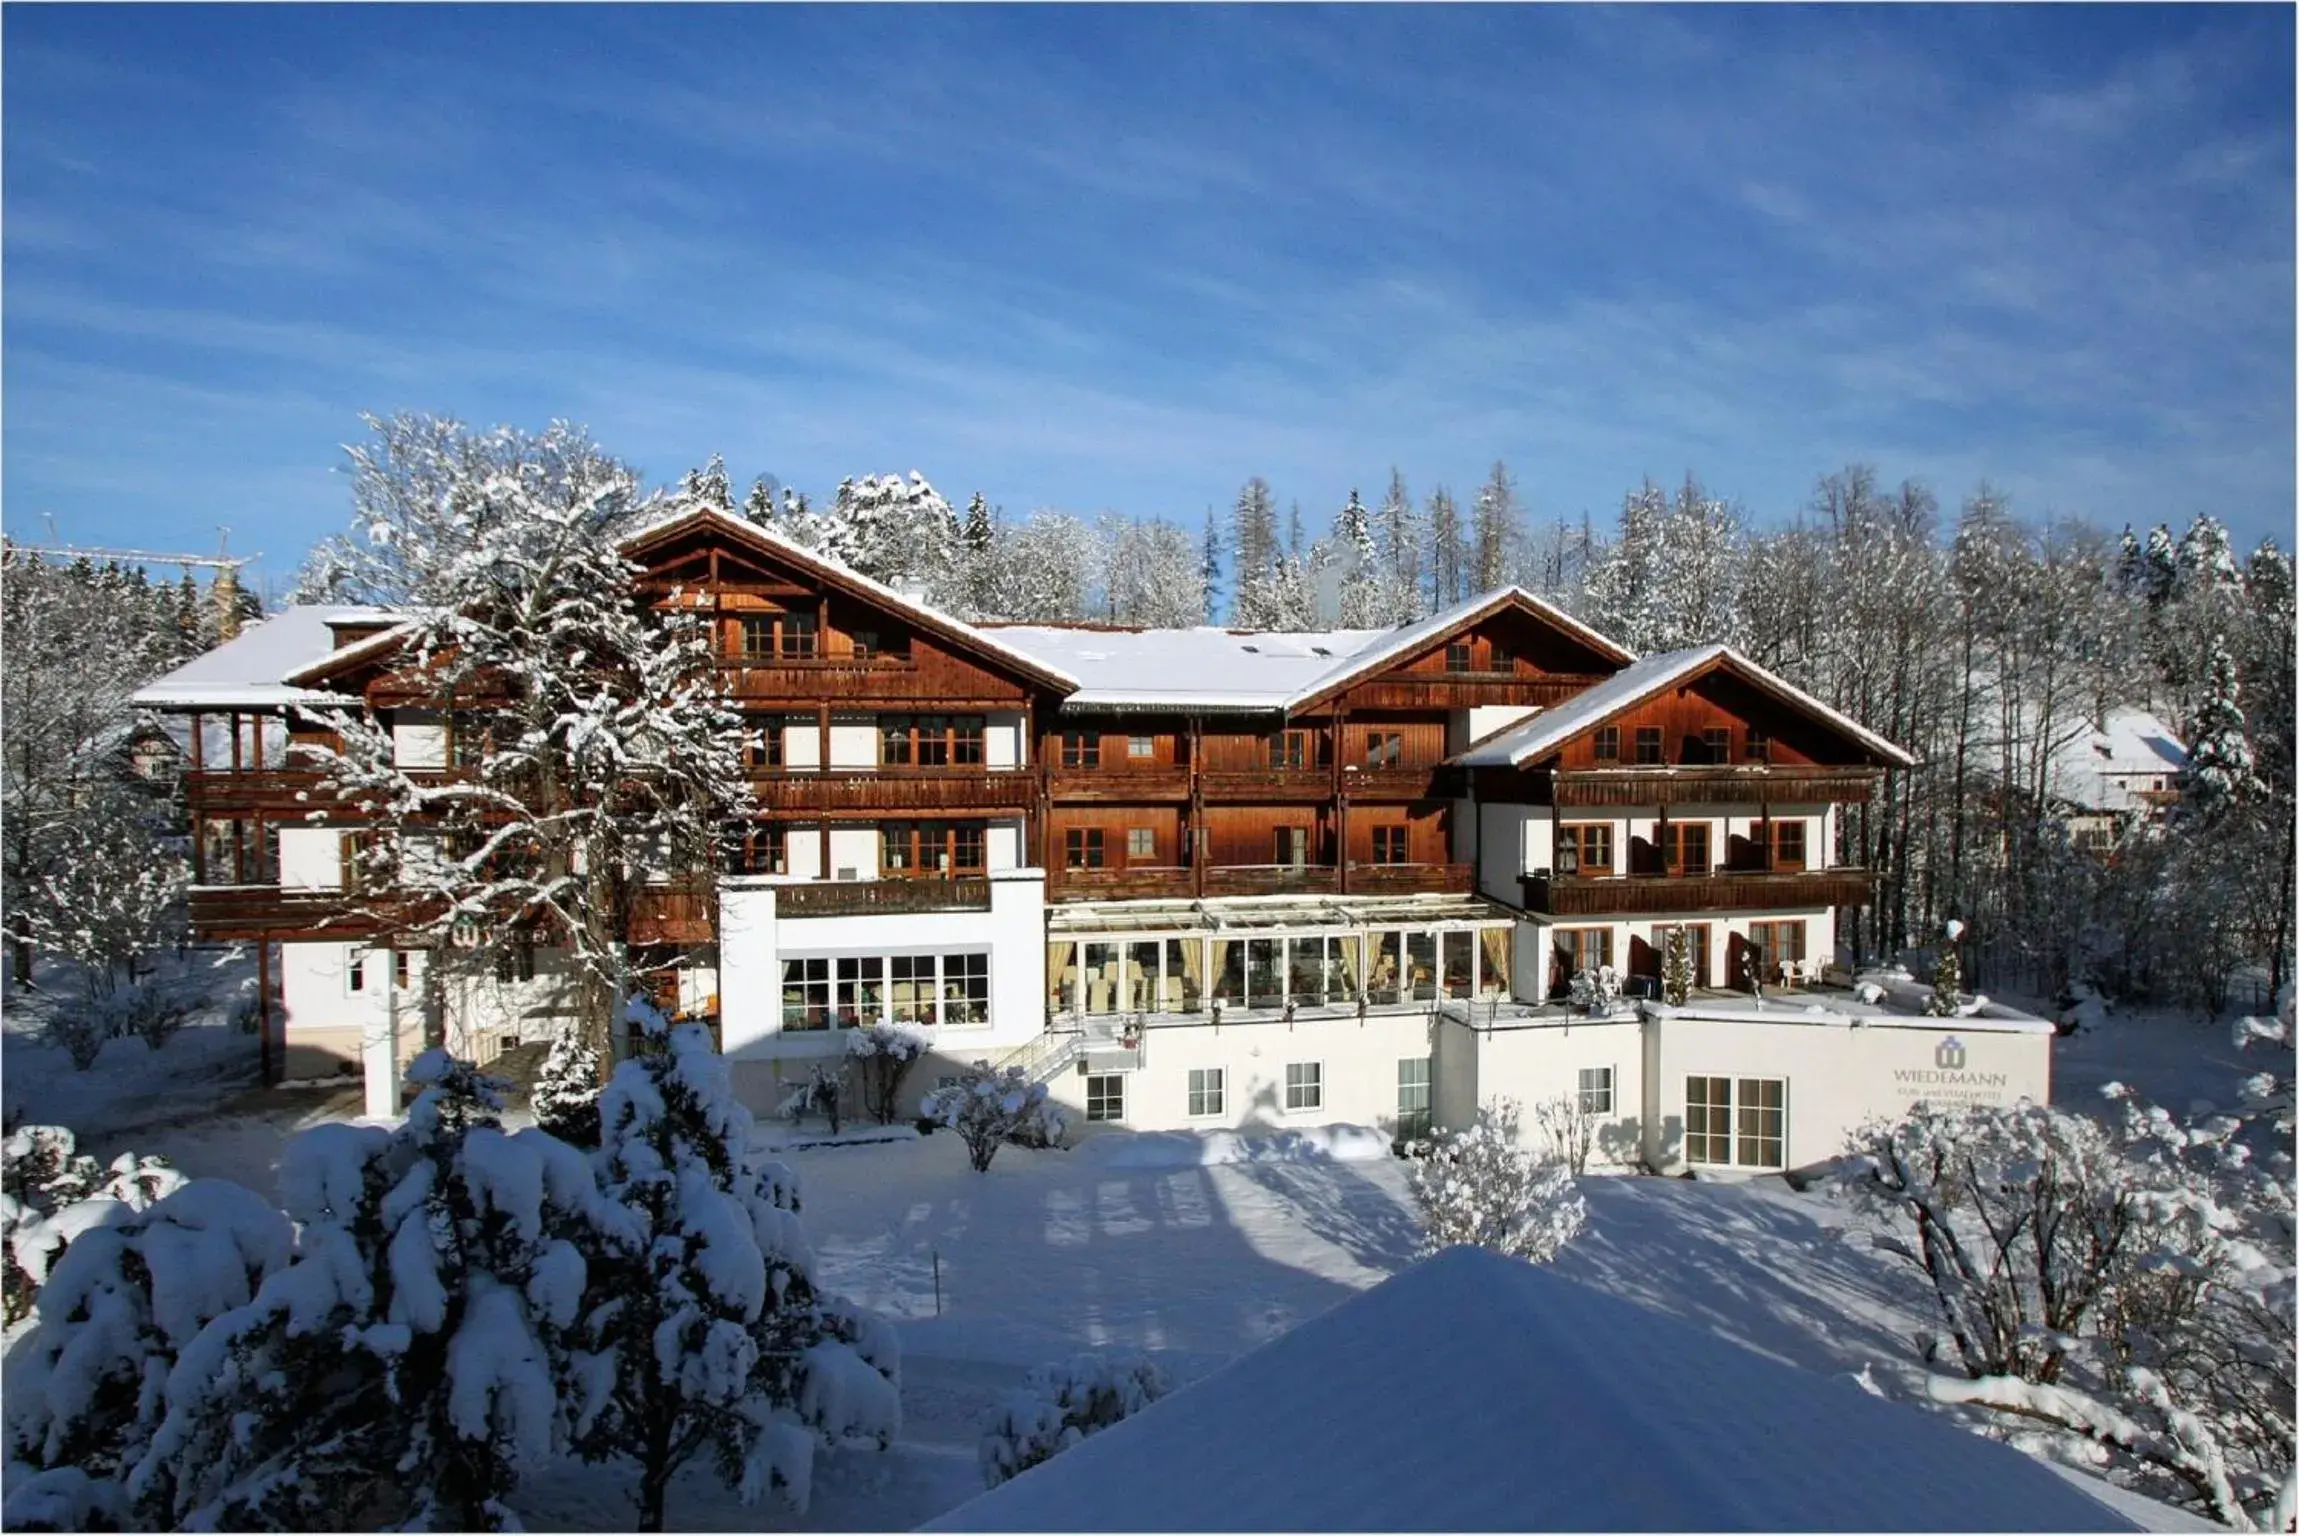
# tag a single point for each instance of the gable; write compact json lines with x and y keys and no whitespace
{"x":1520,"y":651}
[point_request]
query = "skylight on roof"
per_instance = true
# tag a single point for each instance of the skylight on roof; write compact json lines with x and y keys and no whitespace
{"x":1255,"y":649}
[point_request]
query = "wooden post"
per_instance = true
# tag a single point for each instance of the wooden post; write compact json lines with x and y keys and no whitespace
{"x":822,"y":766}
{"x":1200,"y":849}
{"x":1340,"y":811}
{"x":263,"y":1010}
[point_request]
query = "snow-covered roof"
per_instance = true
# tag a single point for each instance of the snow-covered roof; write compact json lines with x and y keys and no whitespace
{"x":930,"y":617}
{"x":1640,"y":680}
{"x":1209,"y":668}
{"x":250,"y":671}
{"x":1475,"y":1392}
{"x":2095,"y":767}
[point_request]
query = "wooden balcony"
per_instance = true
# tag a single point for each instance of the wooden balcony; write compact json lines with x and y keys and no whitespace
{"x":1397,"y":783}
{"x":1266,"y":785}
{"x":1169,"y":883}
{"x":226,"y":792}
{"x":1412,"y":879}
{"x":1713,"y":784}
{"x":1272,"y":880}
{"x":894,"y":791}
{"x":225,"y":912}
{"x":673,"y":914}
{"x":1120,"y":784}
{"x":1461,"y":690}
{"x":871,"y":898}
{"x":1138,"y":884}
{"x":1723,"y":891}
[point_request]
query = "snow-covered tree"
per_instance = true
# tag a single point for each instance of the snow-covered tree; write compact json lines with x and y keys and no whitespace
{"x":715,"y":1342}
{"x":709,"y":486}
{"x":893,"y":530}
{"x":108,"y":892}
{"x":419,"y":1351}
{"x":974,"y":581}
{"x":1448,"y":551}
{"x":1497,"y":524}
{"x":1479,"y":1186}
{"x":2129,"y":1286}
{"x":1400,"y":541}
{"x":822,"y":1093}
{"x":1209,"y":566}
{"x":122,"y":1302}
{"x":1947,"y":995}
{"x":1281,"y":597}
{"x":1671,"y":577}
{"x":986,"y":1108}
{"x":1061,"y":1405}
{"x":1676,"y":977}
{"x":1596,"y":990}
{"x":1365,"y":598}
{"x":1568,"y":1131}
{"x":598,"y":749}
{"x":2220,"y":774}
{"x":565,"y":1097}
{"x":758,"y":502}
{"x":883,"y":1055}
{"x":1151,"y":575}
{"x":1041,"y":568}
{"x":50,"y":1193}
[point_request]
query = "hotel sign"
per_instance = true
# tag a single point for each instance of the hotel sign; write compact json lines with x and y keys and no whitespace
{"x":1949,"y":1081}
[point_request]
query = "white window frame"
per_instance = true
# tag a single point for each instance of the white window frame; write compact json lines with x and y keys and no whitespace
{"x":1106,"y":1094}
{"x":1584,"y":1092}
{"x":1138,"y":747}
{"x":1295,"y":1091}
{"x":1209,"y":1087}
{"x":1428,"y":1086}
{"x":939,"y":978}
{"x":355,"y":973}
{"x":1139,"y":835}
{"x":1734,"y":1101}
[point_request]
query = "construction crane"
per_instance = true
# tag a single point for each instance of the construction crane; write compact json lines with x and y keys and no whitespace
{"x":226,"y":565}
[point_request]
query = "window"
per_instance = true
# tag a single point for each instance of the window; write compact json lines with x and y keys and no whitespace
{"x":1413,"y":1115}
{"x":1595,"y":1090}
{"x":1294,"y":749}
{"x":1608,"y":744}
{"x":1501,"y":660}
{"x":1718,"y":744}
{"x":355,"y":972}
{"x":1141,"y":748}
{"x":2094,"y":839}
{"x":1460,"y":951}
{"x":1697,"y":934}
{"x":1648,"y":743}
{"x":930,"y":741}
{"x":466,"y":743}
{"x":1205,"y":1091}
{"x":806,"y":994}
{"x":861,"y":994}
{"x":910,"y":988}
{"x":1583,"y":949}
{"x":1384,"y":749}
{"x":757,"y":639}
{"x":911,"y":848}
{"x":1421,"y":965}
{"x":756,"y":849}
{"x":1708,"y":1119}
{"x":798,"y":636}
{"x":865,"y":643}
{"x":966,"y":988}
{"x":399,"y":969}
{"x":1080,"y":750}
{"x":1106,"y":1097}
{"x":1389,"y":845}
{"x":513,"y":962}
{"x":1756,"y":1138}
{"x":1773,"y":943}
{"x":1585,"y":849}
{"x":1304,"y":1085}
{"x":1141,"y":845}
{"x":1755,"y":746}
{"x":1684,"y":847}
{"x":1763,"y":1123}
{"x":1293,"y":846}
{"x":1788,"y":845}
{"x":1082,"y":848}
{"x":1458,"y":657}
{"x":762,"y":741}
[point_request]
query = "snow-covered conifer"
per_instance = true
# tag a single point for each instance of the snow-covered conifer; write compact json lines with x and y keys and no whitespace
{"x":709,"y":486}
{"x":1209,"y":566}
{"x":419,"y":1351}
{"x":1061,"y":1405}
{"x":1676,"y":977}
{"x":1152,"y":577}
{"x":1448,"y":551}
{"x":1365,"y":599}
{"x":1040,"y":570}
{"x":1497,"y":524}
{"x":1400,"y":541}
{"x":1479,"y":1186}
{"x":883,"y":1055}
{"x":565,"y":1097}
{"x":715,"y":1342}
{"x":1596,"y":990}
{"x":758,"y":503}
{"x":2220,"y":774}
{"x":1947,"y":996}
{"x":986,"y":1108}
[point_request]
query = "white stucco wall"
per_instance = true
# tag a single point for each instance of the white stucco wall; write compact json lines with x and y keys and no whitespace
{"x":1005,"y":743}
{"x":1500,"y":854}
{"x":311,"y":858}
{"x":853,"y":849}
{"x":1484,"y":719}
{"x":418,"y":739}
{"x":1359,"y":1062}
{"x":1840,"y":1075}
{"x":853,"y":741}
{"x":1534,"y":1063}
{"x":802,"y":744}
{"x":1002,"y":846}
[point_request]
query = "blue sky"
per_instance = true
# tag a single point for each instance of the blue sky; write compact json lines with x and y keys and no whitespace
{"x":1123,"y":258}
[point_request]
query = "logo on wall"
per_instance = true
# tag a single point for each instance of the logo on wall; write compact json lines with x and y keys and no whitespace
{"x":1949,"y":1055}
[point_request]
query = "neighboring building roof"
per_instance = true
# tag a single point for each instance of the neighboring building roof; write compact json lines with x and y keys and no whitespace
{"x":1640,"y":680}
{"x":1476,"y":1392}
{"x":1210,"y":668}
{"x":250,"y":670}
{"x":2096,"y":767}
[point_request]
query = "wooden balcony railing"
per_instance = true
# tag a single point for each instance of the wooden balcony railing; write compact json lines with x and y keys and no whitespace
{"x":1261,"y":784}
{"x":673,"y":914}
{"x":1714,"y":784}
{"x":268,"y":912}
{"x":905,"y":790}
{"x":1271,"y":879}
{"x":225,"y":792}
{"x":1728,"y":891}
{"x":1412,"y":879}
{"x":1170,"y":883}
{"x":1137,"y":884}
{"x":1073,"y":786}
{"x":1392,"y":783}
{"x":869,"y":898}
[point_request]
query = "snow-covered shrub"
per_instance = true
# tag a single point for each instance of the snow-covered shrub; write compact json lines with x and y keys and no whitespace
{"x":79,"y":1027}
{"x":1042,"y":1127}
{"x":986,"y":1108}
{"x":883,"y":1055}
{"x":716,"y":1340}
{"x":823,"y":1093}
{"x":1478,"y":1186}
{"x":2129,"y":1286}
{"x":1676,"y":967}
{"x":1061,"y":1405}
{"x":111,"y":894}
{"x":415,"y":1355}
{"x":1947,"y":999}
{"x":120,"y":1304}
{"x":51,"y":1192}
{"x":1596,"y":991}
{"x":1568,"y":1130}
{"x":148,"y":1013}
{"x":565,"y":1097}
